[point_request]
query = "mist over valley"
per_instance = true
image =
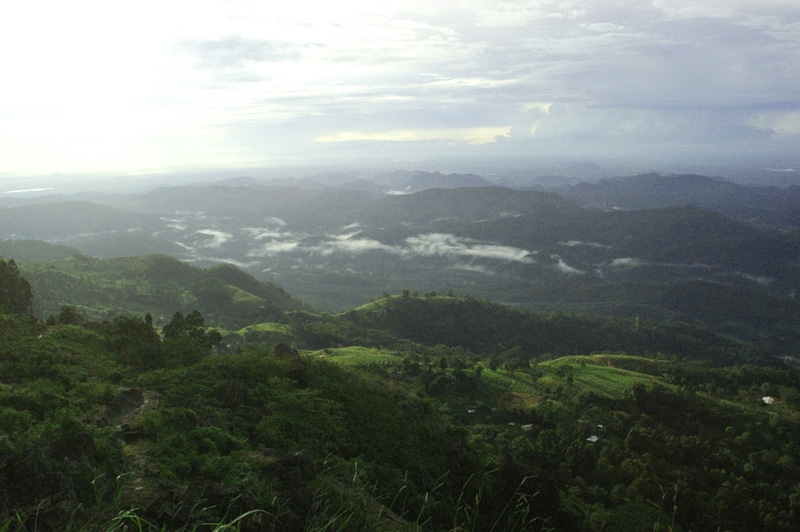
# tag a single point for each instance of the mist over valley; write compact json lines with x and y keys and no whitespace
{"x":521,"y":266}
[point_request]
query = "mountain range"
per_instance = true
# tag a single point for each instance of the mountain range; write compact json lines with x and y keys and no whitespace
{"x":336,"y":246}
{"x":340,"y":353}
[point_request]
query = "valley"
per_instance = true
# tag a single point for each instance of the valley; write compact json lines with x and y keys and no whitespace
{"x":338,"y":245}
{"x":255,"y":357}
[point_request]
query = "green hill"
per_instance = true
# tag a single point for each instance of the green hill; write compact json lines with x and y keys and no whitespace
{"x":361,"y":438}
{"x":492,"y":328}
{"x":161,"y":285}
{"x":34,"y":250}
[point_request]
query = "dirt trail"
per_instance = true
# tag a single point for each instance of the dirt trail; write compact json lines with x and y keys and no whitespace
{"x":137,"y":485}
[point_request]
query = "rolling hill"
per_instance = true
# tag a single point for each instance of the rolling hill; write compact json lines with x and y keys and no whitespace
{"x":759,"y":205}
{"x":158,"y":284}
{"x":337,"y":248}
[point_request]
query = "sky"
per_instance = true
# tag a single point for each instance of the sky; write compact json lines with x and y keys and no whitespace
{"x":156,"y":86}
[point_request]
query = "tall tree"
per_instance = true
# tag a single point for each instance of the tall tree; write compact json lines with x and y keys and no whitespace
{"x":186,"y":339}
{"x":15,"y":291}
{"x":137,"y":341}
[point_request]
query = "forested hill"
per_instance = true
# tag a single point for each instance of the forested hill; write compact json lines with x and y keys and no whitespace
{"x":494,"y":242}
{"x":427,"y":413}
{"x":34,"y":250}
{"x":509,"y":333}
{"x":229,"y":296}
{"x":158,"y":284}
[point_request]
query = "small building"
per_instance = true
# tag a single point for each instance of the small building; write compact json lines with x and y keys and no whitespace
{"x":592,"y":438}
{"x":768,"y":400}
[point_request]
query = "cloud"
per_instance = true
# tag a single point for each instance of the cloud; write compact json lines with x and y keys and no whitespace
{"x":473,"y":268}
{"x":248,"y":83}
{"x":260,"y":233}
{"x":218,"y":238}
{"x":176,"y":223}
{"x":626,"y":262}
{"x":444,"y":245}
{"x":357,"y":246}
{"x":238,"y":264}
{"x":578,"y":243}
{"x":778,"y":122}
{"x":273,"y":248}
{"x":759,"y":279}
{"x":605,"y":27}
{"x":426,"y":245}
{"x":27,"y":190}
{"x":236,"y":52}
{"x":471,"y":136}
{"x":346,"y":236}
{"x":563,"y":267}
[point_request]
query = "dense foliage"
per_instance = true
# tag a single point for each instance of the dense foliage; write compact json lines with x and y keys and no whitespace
{"x":155,"y":284}
{"x":15,"y":290}
{"x":434,"y":412}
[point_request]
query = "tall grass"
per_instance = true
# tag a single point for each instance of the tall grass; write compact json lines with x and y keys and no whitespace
{"x":131,"y":521}
{"x":342,"y":506}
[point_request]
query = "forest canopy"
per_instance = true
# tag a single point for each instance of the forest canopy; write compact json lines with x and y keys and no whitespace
{"x":15,"y":291}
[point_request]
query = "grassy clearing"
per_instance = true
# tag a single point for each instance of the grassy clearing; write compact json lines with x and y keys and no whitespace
{"x":280,"y":328}
{"x":600,"y":374}
{"x":506,"y":389}
{"x":502,"y":381}
{"x":629,"y":362}
{"x":242,"y":297}
{"x":357,"y":356}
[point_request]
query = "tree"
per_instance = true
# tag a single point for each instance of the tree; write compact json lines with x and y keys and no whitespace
{"x":15,"y":291}
{"x":137,"y":341}
{"x":186,"y":339}
{"x":69,"y":316}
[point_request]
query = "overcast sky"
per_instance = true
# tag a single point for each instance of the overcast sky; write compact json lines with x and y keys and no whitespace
{"x":170,"y":84}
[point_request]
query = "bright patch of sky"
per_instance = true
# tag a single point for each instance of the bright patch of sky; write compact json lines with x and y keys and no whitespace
{"x":154,"y":86}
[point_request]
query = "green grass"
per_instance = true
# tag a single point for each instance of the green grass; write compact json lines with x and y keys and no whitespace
{"x":268,"y":333}
{"x":279,"y":328}
{"x":357,"y":356}
{"x":600,"y":374}
{"x":240,"y":296}
{"x":610,"y":376}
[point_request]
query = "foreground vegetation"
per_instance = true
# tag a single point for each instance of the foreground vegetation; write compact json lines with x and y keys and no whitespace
{"x":411,"y":413}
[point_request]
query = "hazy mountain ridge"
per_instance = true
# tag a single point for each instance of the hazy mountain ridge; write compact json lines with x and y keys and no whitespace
{"x":397,"y":182}
{"x":339,"y":247}
{"x":70,"y":219}
{"x":418,"y":181}
{"x":765,"y":205}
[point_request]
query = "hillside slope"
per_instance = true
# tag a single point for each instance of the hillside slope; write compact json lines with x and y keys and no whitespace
{"x":158,"y":284}
{"x":358,"y":438}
